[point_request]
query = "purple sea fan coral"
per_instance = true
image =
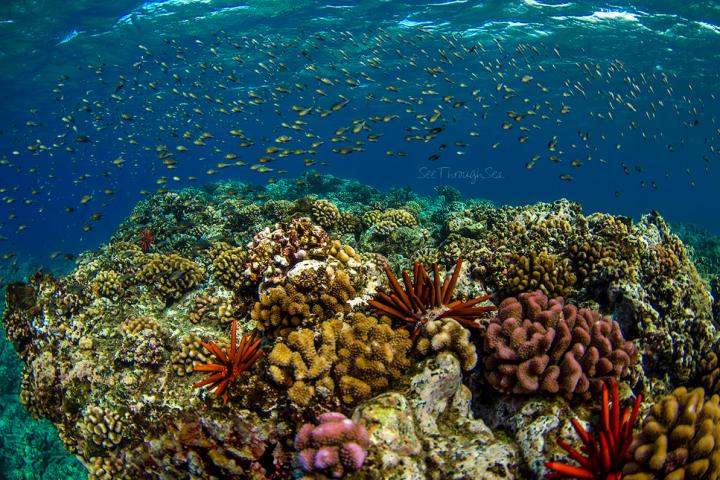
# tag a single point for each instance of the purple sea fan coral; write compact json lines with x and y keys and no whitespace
{"x":334,"y":446}
{"x":540,"y":344}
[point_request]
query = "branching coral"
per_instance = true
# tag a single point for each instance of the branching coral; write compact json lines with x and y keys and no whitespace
{"x":538,"y":271}
{"x":680,"y":439}
{"x":230,"y":363}
{"x":540,"y":344}
{"x":424,"y":299}
{"x":229,"y":265}
{"x":605,"y":448}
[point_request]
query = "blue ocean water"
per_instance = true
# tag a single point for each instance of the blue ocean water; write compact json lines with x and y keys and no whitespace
{"x":611,"y":104}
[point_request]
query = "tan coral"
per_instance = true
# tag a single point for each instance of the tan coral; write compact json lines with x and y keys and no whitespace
{"x":106,"y":468}
{"x":448,"y":335}
{"x":303,"y":367}
{"x":135,"y":325}
{"x":229,"y":265}
{"x":325,"y":213}
{"x":538,"y":271}
{"x":103,"y":426}
{"x":171,"y":275}
{"x":108,"y":284}
{"x":371,"y":354}
{"x":205,"y":309}
{"x":308,"y":297}
{"x":357,"y":358}
{"x":680,"y":439}
{"x":188,"y":354}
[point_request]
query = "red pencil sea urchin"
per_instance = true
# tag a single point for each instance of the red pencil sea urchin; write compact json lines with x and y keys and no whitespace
{"x":146,"y":239}
{"x":230,"y":363}
{"x":424,"y":299}
{"x":604,"y":454}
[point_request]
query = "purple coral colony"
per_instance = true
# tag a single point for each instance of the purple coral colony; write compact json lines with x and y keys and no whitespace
{"x":321,"y":329}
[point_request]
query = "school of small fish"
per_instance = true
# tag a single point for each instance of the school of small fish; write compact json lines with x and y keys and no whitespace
{"x":184,"y":111}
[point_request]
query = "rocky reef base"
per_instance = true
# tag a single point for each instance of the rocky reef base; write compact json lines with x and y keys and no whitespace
{"x":270,"y":332}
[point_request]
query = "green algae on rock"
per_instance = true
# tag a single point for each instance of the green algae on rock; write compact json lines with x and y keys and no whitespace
{"x":109,"y":350}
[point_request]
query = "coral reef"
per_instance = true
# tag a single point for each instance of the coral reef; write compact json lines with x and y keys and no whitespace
{"x":541,"y":344}
{"x":336,"y":446}
{"x":111,"y":349}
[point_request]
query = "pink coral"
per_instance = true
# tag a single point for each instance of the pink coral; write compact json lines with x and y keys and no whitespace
{"x":334,"y":446}
{"x":540,"y":344}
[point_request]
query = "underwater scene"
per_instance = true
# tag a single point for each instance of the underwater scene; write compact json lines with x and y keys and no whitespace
{"x":445,"y":239}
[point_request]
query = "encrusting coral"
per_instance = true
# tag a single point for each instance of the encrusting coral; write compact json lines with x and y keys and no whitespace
{"x":680,"y":439}
{"x":540,"y":344}
{"x":336,"y":446}
{"x":274,"y":252}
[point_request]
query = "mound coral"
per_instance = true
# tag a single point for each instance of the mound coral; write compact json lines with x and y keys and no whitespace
{"x":171,"y":275}
{"x":540,"y":344}
{"x":606,"y":450}
{"x":424,"y":299}
{"x":311,"y":294}
{"x":230,"y":363}
{"x":335,"y":446}
{"x":680,"y":439}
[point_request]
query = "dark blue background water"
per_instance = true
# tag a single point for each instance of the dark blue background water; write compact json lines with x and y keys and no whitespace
{"x":640,"y":47}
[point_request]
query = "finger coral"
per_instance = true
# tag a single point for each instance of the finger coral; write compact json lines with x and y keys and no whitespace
{"x":539,"y":271}
{"x":540,"y":344}
{"x":680,"y":439}
{"x":423,"y":299}
{"x":336,"y":446}
{"x":311,"y":293}
{"x":229,"y":265}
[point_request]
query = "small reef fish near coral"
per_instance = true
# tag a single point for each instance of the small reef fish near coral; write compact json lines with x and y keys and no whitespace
{"x":248,"y":241}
